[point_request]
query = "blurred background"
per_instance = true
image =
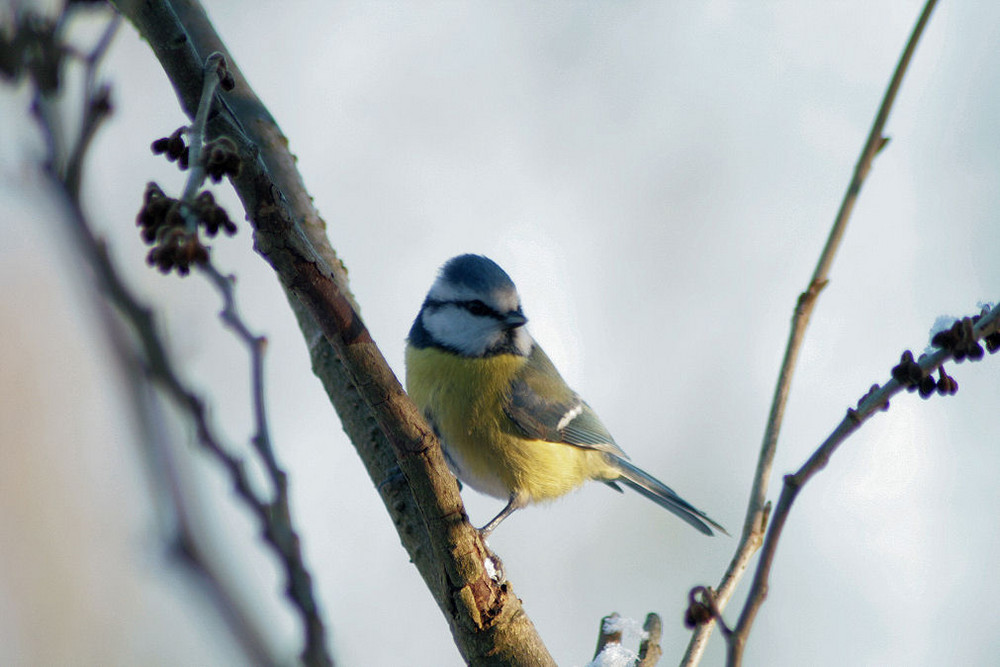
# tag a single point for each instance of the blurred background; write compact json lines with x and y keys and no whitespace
{"x":658,"y":179}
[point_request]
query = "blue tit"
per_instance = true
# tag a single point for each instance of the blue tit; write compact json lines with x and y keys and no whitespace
{"x":509,"y":424}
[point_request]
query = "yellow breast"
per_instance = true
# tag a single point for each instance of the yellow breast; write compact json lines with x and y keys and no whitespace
{"x":464,"y":397}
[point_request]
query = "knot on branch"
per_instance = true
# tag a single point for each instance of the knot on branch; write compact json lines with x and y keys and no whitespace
{"x":217,"y":62}
{"x":697,"y":613}
{"x":871,"y":392}
{"x":702,"y":608}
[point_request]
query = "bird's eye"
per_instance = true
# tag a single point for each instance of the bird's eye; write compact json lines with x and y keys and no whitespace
{"x":478,"y":308}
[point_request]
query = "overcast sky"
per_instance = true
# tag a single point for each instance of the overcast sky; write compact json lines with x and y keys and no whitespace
{"x":658,"y":179}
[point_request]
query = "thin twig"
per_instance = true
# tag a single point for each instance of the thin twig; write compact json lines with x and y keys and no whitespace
{"x":159,"y":367}
{"x":196,"y":133}
{"x":184,"y":529}
{"x":64,"y":167}
{"x":614,"y":629}
{"x":95,"y":100}
{"x":650,"y":650}
{"x":278,"y":529}
{"x":755,"y":522}
{"x":275,"y":516}
{"x":261,"y":438}
{"x":609,"y":633}
{"x":877,"y":399}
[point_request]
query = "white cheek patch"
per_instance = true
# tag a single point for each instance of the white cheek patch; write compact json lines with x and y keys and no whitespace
{"x":459,"y":329}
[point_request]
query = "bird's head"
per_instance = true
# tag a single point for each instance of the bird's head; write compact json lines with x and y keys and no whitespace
{"x":472,"y":309}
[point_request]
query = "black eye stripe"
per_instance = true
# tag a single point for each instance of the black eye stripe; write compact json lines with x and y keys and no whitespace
{"x":474,"y":306}
{"x":480,"y":309}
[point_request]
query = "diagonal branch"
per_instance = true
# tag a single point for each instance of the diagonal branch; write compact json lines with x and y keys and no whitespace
{"x":486,"y":618}
{"x":905,"y":376}
{"x":758,"y":509}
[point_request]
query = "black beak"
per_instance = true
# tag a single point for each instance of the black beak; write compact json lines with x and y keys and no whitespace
{"x":514,"y":319}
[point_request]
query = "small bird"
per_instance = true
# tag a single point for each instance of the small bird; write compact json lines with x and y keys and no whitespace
{"x":509,"y":424}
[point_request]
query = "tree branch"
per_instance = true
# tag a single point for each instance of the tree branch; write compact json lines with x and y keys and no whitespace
{"x":610,"y":641}
{"x":909,"y":374}
{"x":486,"y":618}
{"x":758,"y":508}
{"x":275,"y":516}
{"x":650,"y":650}
{"x":64,"y":169}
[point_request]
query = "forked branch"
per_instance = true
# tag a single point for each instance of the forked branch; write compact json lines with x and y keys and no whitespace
{"x":755,"y":523}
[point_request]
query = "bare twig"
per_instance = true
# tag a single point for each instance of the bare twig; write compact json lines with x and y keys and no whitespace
{"x":261,"y":438}
{"x":274,"y":516}
{"x":64,"y":166}
{"x":95,"y":103}
{"x":907,"y":375}
{"x":279,"y":529}
{"x":755,"y":522}
{"x":649,"y":648}
{"x":196,"y":133}
{"x":183,"y":528}
{"x":609,"y":633}
{"x":610,"y":645}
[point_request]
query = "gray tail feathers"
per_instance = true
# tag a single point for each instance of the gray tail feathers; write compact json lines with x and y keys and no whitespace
{"x":664,"y":496}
